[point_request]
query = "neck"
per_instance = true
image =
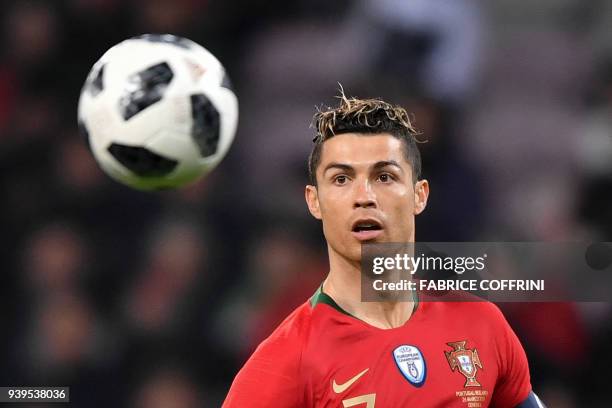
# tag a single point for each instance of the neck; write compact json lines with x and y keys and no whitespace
{"x":343,"y":284}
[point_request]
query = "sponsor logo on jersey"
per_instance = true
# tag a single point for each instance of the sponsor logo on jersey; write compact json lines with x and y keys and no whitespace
{"x":339,"y":388}
{"x":466,"y":361}
{"x":411,"y":363}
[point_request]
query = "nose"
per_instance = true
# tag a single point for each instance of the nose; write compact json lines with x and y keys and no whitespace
{"x":364,"y":195}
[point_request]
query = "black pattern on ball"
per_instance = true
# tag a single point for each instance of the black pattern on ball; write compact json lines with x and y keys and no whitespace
{"x":142,"y":162}
{"x":84,"y":133}
{"x":206,"y":124}
{"x":165,"y":38}
{"x":95,"y":81}
{"x":144,"y":88}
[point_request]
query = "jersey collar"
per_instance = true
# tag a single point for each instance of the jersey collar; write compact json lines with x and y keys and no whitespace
{"x":322,"y":297}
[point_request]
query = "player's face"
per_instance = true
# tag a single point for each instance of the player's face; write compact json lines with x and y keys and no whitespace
{"x":365,"y":193}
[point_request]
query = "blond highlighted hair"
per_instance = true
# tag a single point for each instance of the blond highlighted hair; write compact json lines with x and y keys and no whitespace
{"x":367,"y":117}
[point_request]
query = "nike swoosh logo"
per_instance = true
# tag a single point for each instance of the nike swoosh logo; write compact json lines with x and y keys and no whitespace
{"x":338,"y":388}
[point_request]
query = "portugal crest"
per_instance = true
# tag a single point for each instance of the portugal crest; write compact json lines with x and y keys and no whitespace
{"x":465,"y":360}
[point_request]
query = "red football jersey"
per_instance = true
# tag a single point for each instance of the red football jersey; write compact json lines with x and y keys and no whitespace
{"x":448,"y":354}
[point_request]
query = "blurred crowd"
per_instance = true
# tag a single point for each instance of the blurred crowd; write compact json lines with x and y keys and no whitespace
{"x":155,"y":299}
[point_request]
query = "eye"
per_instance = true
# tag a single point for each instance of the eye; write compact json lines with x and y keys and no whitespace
{"x":340,"y":179}
{"x":385,"y":177}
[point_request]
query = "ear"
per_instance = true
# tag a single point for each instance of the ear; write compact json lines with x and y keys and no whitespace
{"x":312,"y":199}
{"x":421,"y":194}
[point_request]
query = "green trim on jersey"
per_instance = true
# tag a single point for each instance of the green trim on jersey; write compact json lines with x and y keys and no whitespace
{"x":322,"y":297}
{"x":415,"y":298}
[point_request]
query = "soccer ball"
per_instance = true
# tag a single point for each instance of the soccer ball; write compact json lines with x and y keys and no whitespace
{"x":158,"y":111}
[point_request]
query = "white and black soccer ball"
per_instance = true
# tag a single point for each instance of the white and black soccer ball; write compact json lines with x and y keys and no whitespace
{"x":158,"y":111}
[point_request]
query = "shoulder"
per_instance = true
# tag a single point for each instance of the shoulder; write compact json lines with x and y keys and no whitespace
{"x":282,"y":349}
{"x":481,"y":318}
{"x":271,"y":376}
{"x":463,"y":306}
{"x":291,"y":333}
{"x":486,"y":310}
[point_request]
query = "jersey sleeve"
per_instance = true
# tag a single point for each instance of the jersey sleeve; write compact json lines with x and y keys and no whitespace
{"x":514,"y":384}
{"x":271,"y":376}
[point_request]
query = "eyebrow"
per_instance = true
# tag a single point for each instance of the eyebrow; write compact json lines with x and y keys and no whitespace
{"x":382,"y":164}
{"x":349,"y":169}
{"x":340,"y":166}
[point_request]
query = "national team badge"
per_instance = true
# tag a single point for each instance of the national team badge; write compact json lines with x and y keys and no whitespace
{"x":410,"y":362}
{"x":465,"y":360}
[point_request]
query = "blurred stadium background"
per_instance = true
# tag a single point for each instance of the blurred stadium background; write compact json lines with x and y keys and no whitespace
{"x":155,"y":300}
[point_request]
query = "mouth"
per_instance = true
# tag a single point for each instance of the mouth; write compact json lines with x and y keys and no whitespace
{"x":366,"y":229}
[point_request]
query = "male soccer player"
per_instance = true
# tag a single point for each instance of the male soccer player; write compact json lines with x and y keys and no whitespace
{"x":337,"y":351}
